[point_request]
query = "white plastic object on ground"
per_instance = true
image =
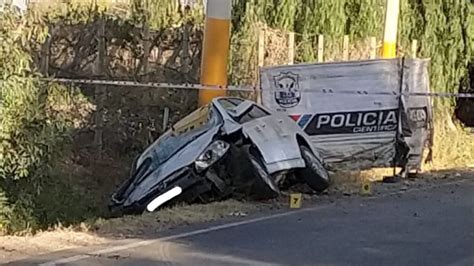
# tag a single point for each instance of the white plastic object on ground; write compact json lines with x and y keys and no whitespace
{"x":161,"y":199}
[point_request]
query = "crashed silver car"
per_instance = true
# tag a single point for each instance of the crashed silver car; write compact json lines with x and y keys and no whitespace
{"x":228,"y":148}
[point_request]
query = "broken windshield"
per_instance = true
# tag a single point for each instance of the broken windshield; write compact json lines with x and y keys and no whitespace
{"x":182,"y":133}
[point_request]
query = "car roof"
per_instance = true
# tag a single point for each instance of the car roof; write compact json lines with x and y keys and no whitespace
{"x":229,"y":97}
{"x":216,"y":99}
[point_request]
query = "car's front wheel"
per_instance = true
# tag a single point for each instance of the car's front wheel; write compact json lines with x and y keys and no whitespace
{"x":265,"y":182}
{"x":314,"y":174}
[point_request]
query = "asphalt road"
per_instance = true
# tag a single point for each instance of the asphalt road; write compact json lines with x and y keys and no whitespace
{"x":422,"y":227}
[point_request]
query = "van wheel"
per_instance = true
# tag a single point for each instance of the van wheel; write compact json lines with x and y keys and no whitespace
{"x":314,"y":174}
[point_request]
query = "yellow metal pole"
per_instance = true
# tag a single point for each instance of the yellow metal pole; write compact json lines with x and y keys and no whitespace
{"x":215,"y":51}
{"x":390,"y":32}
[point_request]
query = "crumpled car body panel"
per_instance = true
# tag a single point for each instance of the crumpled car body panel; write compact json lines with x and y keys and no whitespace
{"x":170,"y":160}
{"x":276,"y":142}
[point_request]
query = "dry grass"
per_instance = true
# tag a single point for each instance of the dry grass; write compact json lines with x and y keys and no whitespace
{"x":453,"y":147}
{"x":21,"y":247}
{"x":103,"y":231}
{"x":150,"y":223}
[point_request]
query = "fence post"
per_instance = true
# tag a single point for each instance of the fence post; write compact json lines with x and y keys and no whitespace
{"x":261,"y":48}
{"x":291,"y":48}
{"x":261,"y":60}
{"x":166,"y":115}
{"x":345,"y":48}
{"x":186,"y":64}
{"x":100,"y":91}
{"x":46,"y":53}
{"x":414,"y":48}
{"x":373,"y":48}
{"x":321,"y":48}
{"x":146,"y":48}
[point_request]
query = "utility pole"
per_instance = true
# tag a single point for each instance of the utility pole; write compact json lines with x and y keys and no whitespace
{"x":390,"y":32}
{"x":215,"y":51}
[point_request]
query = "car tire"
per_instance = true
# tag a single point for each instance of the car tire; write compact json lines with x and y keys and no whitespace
{"x":314,"y":174}
{"x":265,"y":182}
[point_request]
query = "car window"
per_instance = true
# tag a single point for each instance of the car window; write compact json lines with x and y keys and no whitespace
{"x":230,"y":103}
{"x":253,"y":113}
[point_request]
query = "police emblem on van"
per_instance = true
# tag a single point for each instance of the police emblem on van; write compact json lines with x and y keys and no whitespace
{"x":287,"y":91}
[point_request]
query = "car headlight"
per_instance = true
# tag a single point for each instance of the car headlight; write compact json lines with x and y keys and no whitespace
{"x":212,"y":154}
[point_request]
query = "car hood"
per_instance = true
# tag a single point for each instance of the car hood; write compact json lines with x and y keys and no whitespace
{"x":164,"y":157}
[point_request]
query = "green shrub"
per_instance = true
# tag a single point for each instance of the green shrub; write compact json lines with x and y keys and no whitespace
{"x":33,"y":129}
{"x":442,"y":28}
